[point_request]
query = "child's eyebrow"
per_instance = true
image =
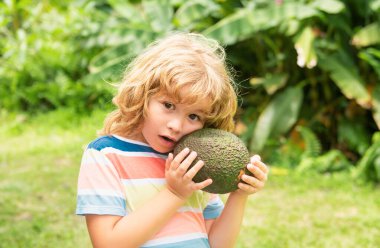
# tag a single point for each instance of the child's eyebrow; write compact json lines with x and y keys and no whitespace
{"x":167,"y":97}
{"x":201,"y":111}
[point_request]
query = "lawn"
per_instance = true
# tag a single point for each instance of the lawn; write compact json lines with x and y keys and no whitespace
{"x":39,"y":163}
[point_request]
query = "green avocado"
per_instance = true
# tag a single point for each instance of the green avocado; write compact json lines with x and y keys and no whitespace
{"x":224,"y":154}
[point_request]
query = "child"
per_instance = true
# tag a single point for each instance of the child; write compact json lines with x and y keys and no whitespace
{"x":131,"y":189}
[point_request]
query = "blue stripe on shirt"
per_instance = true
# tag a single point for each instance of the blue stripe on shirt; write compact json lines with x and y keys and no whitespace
{"x":198,"y":243}
{"x":100,"y":204}
{"x":111,"y":141}
{"x":213,"y":210}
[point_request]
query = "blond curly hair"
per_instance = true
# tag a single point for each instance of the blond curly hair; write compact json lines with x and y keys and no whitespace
{"x":179,"y":61}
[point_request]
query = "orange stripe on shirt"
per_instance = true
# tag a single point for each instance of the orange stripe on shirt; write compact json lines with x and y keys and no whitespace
{"x":107,"y":177}
{"x":183,"y":223}
{"x":138,"y":167}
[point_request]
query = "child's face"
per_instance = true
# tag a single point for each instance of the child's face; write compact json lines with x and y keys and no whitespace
{"x":168,"y":121}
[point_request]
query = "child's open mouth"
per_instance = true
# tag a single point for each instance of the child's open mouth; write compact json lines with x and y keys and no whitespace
{"x":167,"y":139}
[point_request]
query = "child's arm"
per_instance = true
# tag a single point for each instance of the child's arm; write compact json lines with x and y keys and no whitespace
{"x":139,"y":226}
{"x":134,"y":229}
{"x":225,"y":229}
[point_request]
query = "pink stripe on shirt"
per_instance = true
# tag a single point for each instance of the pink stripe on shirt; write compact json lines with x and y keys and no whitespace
{"x":138,"y":167}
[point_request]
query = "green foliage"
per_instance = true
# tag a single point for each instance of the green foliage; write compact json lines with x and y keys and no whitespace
{"x":331,"y":161}
{"x":353,"y":136}
{"x":343,"y":72}
{"x":312,"y":143}
{"x":278,"y":117}
{"x":44,"y":58}
{"x":368,"y":167}
{"x":367,"y":36}
{"x":308,"y":63}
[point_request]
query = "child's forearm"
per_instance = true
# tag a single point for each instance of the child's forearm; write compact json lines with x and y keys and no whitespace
{"x":225,"y":230}
{"x":139,"y":226}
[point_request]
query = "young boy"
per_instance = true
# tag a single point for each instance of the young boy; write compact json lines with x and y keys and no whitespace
{"x":131,"y":189}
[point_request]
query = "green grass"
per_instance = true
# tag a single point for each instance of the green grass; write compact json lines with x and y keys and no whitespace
{"x":39,"y":163}
{"x":315,"y":211}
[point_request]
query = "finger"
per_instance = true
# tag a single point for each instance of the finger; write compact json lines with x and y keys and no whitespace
{"x":179,"y":158}
{"x":252,"y":181}
{"x":182,"y":169}
{"x":168,"y":161}
{"x":247,"y":188}
{"x":257,"y":172}
{"x":201,"y":185}
{"x":256,"y":160}
{"x":262,"y":166}
{"x":194,"y":170}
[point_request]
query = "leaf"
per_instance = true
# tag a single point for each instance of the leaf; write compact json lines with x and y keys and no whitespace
{"x":375,"y":5}
{"x":306,"y":55}
{"x":109,"y":57}
{"x":272,"y":82}
{"x":159,"y":14}
{"x":376,"y":105}
{"x":125,"y":34}
{"x":366,"y":165}
{"x":192,"y":11}
{"x":126,"y":10}
{"x":376,"y":165}
{"x":331,"y":161}
{"x":288,"y":10}
{"x":120,"y":50}
{"x":231,"y":29}
{"x":372,"y":57}
{"x":278,"y":116}
{"x":345,"y":76}
{"x":245,"y":22}
{"x":367,"y":36}
{"x":312,"y":143}
{"x":338,"y":22}
{"x":274,"y":15}
{"x":352,"y":134}
{"x":112,"y":73}
{"x":330,"y":6}
{"x":290,"y":27}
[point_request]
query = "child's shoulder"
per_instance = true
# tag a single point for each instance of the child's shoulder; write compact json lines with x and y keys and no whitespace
{"x":101,"y":142}
{"x":110,"y":141}
{"x":115,"y":142}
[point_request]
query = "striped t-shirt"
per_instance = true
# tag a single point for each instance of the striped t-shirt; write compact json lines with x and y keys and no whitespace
{"x":119,"y":175}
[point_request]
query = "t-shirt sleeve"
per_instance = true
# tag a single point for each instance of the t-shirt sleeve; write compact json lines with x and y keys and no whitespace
{"x":100,"y":190}
{"x":214,"y":207}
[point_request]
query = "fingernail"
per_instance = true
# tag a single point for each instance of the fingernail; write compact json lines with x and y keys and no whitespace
{"x":255,"y":158}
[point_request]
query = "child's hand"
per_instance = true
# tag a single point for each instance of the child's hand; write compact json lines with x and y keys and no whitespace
{"x":253,"y":184}
{"x":179,"y":178}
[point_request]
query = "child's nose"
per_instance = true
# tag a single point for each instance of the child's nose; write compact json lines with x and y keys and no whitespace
{"x":175,"y":124}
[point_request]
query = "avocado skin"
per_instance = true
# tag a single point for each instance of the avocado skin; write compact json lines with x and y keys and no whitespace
{"x":224,"y":154}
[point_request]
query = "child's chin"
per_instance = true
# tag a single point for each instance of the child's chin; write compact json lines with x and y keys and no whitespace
{"x":162,"y":149}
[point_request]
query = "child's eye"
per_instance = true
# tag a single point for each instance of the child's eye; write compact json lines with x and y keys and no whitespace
{"x":169,"y":105}
{"x":194,"y":117}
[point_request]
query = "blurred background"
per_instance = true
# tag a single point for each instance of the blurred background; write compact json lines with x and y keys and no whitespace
{"x":309,"y":79}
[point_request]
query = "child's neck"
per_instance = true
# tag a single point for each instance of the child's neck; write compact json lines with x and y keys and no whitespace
{"x":137,"y":136}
